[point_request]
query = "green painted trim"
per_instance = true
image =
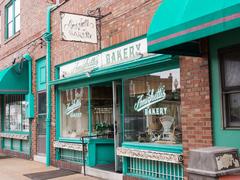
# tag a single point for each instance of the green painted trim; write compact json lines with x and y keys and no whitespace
{"x":123,"y":111}
{"x":57,"y":109}
{"x":162,"y":60}
{"x":188,"y":22}
{"x":16,"y":132}
{"x":154,"y":147}
{"x":2,"y":119}
{"x":102,"y":50}
{"x":40,"y":63}
{"x":48,"y":37}
{"x":89,"y":111}
{"x":6,"y":35}
{"x":125,"y":165}
{"x":221,"y":136}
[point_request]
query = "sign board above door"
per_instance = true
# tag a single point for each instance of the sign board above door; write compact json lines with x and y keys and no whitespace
{"x":80,"y":28}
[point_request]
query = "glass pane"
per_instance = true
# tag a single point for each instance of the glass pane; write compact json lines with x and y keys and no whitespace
{"x":231,"y":68}
{"x":25,"y":121}
{"x":102,"y":110}
{"x":10,"y":29}
{"x":74,"y":113}
{"x":15,"y":116}
{"x":42,"y":106}
{"x":17,"y":25}
{"x":10,"y":13}
{"x":152,"y":108}
{"x":234,"y":109}
{"x":17,"y":7}
{"x":6,"y":118}
{"x":41,"y":124}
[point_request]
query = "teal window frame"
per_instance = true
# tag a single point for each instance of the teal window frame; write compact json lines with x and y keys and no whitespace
{"x":4,"y":119}
{"x":58,"y":117}
{"x":14,"y":16}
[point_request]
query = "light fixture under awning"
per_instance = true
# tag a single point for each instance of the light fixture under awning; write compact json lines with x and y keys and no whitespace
{"x":178,"y":25}
{"x":14,"y":79}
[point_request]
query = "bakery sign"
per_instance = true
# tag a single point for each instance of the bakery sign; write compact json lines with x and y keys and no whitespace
{"x":126,"y":53}
{"x":80,"y":28}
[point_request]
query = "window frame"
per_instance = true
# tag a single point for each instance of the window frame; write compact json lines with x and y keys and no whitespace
{"x":14,"y":32}
{"x":225,"y":91}
{"x":60,"y":137}
{"x":4,"y":117}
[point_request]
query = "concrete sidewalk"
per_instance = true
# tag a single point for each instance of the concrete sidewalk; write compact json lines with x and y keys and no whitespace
{"x":14,"y":168}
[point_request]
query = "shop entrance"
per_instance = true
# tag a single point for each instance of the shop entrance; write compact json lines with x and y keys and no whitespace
{"x":106,"y":123}
{"x":41,"y":124}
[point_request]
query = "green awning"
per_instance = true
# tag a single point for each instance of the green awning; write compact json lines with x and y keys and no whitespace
{"x":178,"y":25}
{"x":14,"y":80}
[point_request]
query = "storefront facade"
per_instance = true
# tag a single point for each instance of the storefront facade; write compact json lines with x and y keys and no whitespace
{"x":209,"y":33}
{"x":123,"y":101}
{"x":21,"y":48}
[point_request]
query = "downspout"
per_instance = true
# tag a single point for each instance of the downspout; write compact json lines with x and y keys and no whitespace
{"x":29,"y":99}
{"x":48,"y":37}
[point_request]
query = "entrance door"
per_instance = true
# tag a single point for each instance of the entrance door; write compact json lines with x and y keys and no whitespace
{"x":117,"y":101}
{"x":41,"y":124}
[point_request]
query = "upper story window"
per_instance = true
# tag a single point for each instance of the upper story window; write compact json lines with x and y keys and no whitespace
{"x":12,"y":18}
{"x":230,"y":65}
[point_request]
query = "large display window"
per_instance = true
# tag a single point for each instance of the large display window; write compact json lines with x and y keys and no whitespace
{"x":15,"y":113}
{"x":152,"y":108}
{"x":74,"y":112}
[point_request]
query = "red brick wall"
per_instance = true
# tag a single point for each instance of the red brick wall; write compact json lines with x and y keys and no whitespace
{"x":195,"y":104}
{"x":33,"y":24}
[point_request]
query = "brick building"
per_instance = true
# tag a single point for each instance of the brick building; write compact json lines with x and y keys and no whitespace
{"x":127,"y":84}
{"x":22,"y":27}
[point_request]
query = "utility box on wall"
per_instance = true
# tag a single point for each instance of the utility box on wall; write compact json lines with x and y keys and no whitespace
{"x":30,"y":106}
{"x":212,"y":163}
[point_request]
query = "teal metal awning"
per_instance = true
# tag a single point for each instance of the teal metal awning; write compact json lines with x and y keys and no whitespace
{"x":14,"y":79}
{"x":178,"y":25}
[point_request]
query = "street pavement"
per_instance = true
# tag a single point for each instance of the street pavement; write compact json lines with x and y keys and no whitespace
{"x":14,"y":169}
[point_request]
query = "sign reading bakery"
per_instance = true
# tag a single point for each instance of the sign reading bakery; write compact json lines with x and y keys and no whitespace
{"x":80,"y":28}
{"x":126,"y":53}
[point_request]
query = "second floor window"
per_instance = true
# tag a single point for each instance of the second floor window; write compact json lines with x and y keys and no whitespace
{"x":12,"y":18}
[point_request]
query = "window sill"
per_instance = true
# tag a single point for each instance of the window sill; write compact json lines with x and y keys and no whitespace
{"x":71,"y":140}
{"x":10,"y":135}
{"x":12,"y":37}
{"x":69,"y":146}
{"x":169,"y":148}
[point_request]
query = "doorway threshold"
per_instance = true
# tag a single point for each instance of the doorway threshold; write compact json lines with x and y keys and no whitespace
{"x":40,"y":158}
{"x":103,"y":174}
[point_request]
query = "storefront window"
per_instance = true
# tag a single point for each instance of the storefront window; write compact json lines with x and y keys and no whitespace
{"x":74,"y":113}
{"x":15,"y":113}
{"x":152,"y":108}
{"x":230,"y":65}
{"x":102,"y":110}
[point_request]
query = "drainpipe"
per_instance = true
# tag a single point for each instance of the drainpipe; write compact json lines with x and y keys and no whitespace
{"x":48,"y":37}
{"x":29,"y":98}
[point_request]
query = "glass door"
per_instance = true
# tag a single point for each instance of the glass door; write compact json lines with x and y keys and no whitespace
{"x":117,"y":101}
{"x":41,"y":124}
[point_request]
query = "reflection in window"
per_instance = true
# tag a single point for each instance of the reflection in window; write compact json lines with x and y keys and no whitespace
{"x":230,"y":65}
{"x":15,"y":113}
{"x":152,"y":108}
{"x":74,"y":113}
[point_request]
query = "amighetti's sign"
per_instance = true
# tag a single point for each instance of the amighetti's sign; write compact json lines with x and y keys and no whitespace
{"x":126,"y":53}
{"x":78,"y":28}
